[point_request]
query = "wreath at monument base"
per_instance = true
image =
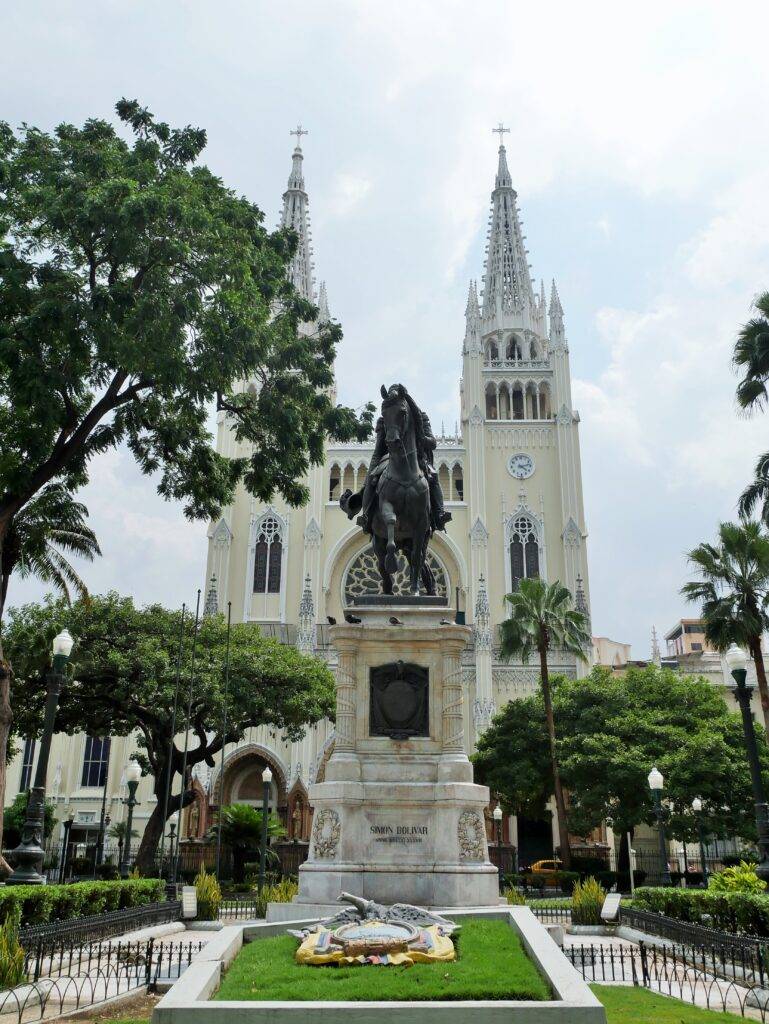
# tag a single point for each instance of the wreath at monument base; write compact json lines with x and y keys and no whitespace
{"x":369,"y":933}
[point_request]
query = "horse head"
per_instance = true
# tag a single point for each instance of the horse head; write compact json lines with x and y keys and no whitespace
{"x":396,"y":414}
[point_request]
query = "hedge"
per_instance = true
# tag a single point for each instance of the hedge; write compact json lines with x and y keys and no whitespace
{"x":747,"y":913}
{"x":37,"y":904}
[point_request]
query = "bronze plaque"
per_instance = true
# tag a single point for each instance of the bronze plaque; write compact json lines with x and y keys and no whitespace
{"x":399,"y":700}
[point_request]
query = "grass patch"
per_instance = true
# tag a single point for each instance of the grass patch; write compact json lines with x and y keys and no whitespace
{"x":625,"y":1005}
{"x":491,"y":964}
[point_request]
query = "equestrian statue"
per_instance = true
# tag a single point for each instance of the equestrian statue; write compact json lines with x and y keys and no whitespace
{"x":401,"y":502}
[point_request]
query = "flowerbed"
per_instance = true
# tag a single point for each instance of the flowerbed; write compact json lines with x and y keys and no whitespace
{"x":36,"y":904}
{"x":747,"y":913}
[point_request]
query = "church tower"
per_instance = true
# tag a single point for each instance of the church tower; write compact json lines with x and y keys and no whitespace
{"x":524,"y":487}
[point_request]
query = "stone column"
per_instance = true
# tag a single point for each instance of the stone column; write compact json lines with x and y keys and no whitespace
{"x":454,"y":763}
{"x":344,"y":764}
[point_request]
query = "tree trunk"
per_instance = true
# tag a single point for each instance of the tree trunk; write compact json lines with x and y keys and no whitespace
{"x":763,"y":688}
{"x":560,"y":803}
{"x":145,"y":858}
{"x":6,"y":712}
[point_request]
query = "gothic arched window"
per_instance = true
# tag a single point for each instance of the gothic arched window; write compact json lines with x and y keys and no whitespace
{"x":514,"y":350}
{"x":524,"y":551}
{"x":268,"y":555}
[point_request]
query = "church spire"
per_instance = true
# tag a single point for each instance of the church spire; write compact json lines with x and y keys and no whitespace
{"x":507,"y":287}
{"x":323,"y":314}
{"x":472,"y":310}
{"x":557,"y":331}
{"x":296,"y":216}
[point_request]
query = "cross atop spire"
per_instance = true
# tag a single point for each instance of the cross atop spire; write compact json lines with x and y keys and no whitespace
{"x":299,"y":132}
{"x":500,"y":130}
{"x":296,"y":216}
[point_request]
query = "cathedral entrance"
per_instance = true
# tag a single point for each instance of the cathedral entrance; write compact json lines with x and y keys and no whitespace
{"x":535,"y":840}
{"x":242,"y":782}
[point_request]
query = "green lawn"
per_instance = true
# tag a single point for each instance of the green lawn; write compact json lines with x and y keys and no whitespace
{"x":491,"y":965}
{"x":625,"y":1005}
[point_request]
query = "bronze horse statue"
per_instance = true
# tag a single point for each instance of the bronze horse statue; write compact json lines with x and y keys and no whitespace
{"x":396,"y":500}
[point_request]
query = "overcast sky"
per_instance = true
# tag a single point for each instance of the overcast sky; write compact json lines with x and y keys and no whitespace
{"x":640,"y":153}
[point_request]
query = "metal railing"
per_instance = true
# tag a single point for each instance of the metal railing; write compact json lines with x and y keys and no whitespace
{"x":687,"y":932}
{"x":91,"y":975}
{"x":550,"y":911}
{"x":99,"y":926}
{"x":696,"y":976}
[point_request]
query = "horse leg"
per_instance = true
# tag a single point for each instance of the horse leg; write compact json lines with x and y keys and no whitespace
{"x":428,"y":580}
{"x":417,"y":559}
{"x":387,"y":514}
{"x":380,"y":549}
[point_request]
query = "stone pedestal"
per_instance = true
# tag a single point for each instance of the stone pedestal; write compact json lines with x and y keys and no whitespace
{"x":398,"y":817}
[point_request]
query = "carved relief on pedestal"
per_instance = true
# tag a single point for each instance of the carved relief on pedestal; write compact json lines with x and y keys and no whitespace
{"x":326,"y":833}
{"x":471,"y":835}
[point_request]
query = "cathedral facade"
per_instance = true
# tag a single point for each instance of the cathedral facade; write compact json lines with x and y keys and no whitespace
{"x":511,"y":478}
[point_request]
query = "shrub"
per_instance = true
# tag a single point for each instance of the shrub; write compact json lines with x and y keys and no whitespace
{"x":730,"y":860}
{"x":623,"y":880}
{"x":37,"y":904}
{"x":209,"y":896}
{"x":608,"y":879}
{"x":108,"y":872}
{"x":566,"y":880}
{"x":514,"y":896}
{"x":279,"y":892}
{"x":726,"y":911}
{"x":12,"y":971}
{"x":740,"y":878}
{"x":590,"y":865}
{"x":586,"y":902}
{"x":81,"y":866}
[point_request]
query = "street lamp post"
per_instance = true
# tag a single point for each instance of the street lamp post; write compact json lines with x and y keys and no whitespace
{"x":171,"y":837}
{"x":697,"y":808}
{"x":497,"y":816}
{"x":133,"y":773}
{"x":29,"y":854}
{"x":737,"y":661}
{"x":656,"y":782}
{"x":266,"y":782}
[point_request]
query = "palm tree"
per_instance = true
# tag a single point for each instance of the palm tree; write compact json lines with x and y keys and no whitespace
{"x":242,"y":832}
{"x":751,"y":357}
{"x":733,"y":590}
{"x":50,"y":523}
{"x":542,"y":617}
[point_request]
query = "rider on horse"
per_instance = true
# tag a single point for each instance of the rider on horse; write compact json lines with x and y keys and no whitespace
{"x":364,"y":500}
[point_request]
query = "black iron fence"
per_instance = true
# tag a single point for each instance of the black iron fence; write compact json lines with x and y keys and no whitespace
{"x":550,"y":911}
{"x":686,"y":932}
{"x":50,"y":935}
{"x":696,"y":976}
{"x":504,"y":858}
{"x":84,"y":976}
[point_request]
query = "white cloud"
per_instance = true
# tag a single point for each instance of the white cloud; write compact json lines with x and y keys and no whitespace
{"x":348,"y":191}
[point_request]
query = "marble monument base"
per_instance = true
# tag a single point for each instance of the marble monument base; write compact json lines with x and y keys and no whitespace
{"x":398,"y":818}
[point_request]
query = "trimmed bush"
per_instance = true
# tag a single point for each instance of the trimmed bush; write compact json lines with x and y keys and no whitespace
{"x":566,"y":880}
{"x":747,"y":913}
{"x":36,"y":904}
{"x":586,"y":902}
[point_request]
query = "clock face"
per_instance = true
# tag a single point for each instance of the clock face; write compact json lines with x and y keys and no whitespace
{"x":520,"y":466}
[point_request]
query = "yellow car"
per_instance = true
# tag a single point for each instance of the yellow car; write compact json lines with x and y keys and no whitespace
{"x":548,"y":868}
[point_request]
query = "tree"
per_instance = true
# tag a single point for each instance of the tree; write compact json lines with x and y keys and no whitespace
{"x":118,"y":831}
{"x":733,"y":590}
{"x":541,"y":617}
{"x":242,"y":832}
{"x":751,"y":358}
{"x":611,"y":731}
{"x":124,"y":671}
{"x":50,"y":521}
{"x":137,"y":292}
{"x":15,"y":814}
